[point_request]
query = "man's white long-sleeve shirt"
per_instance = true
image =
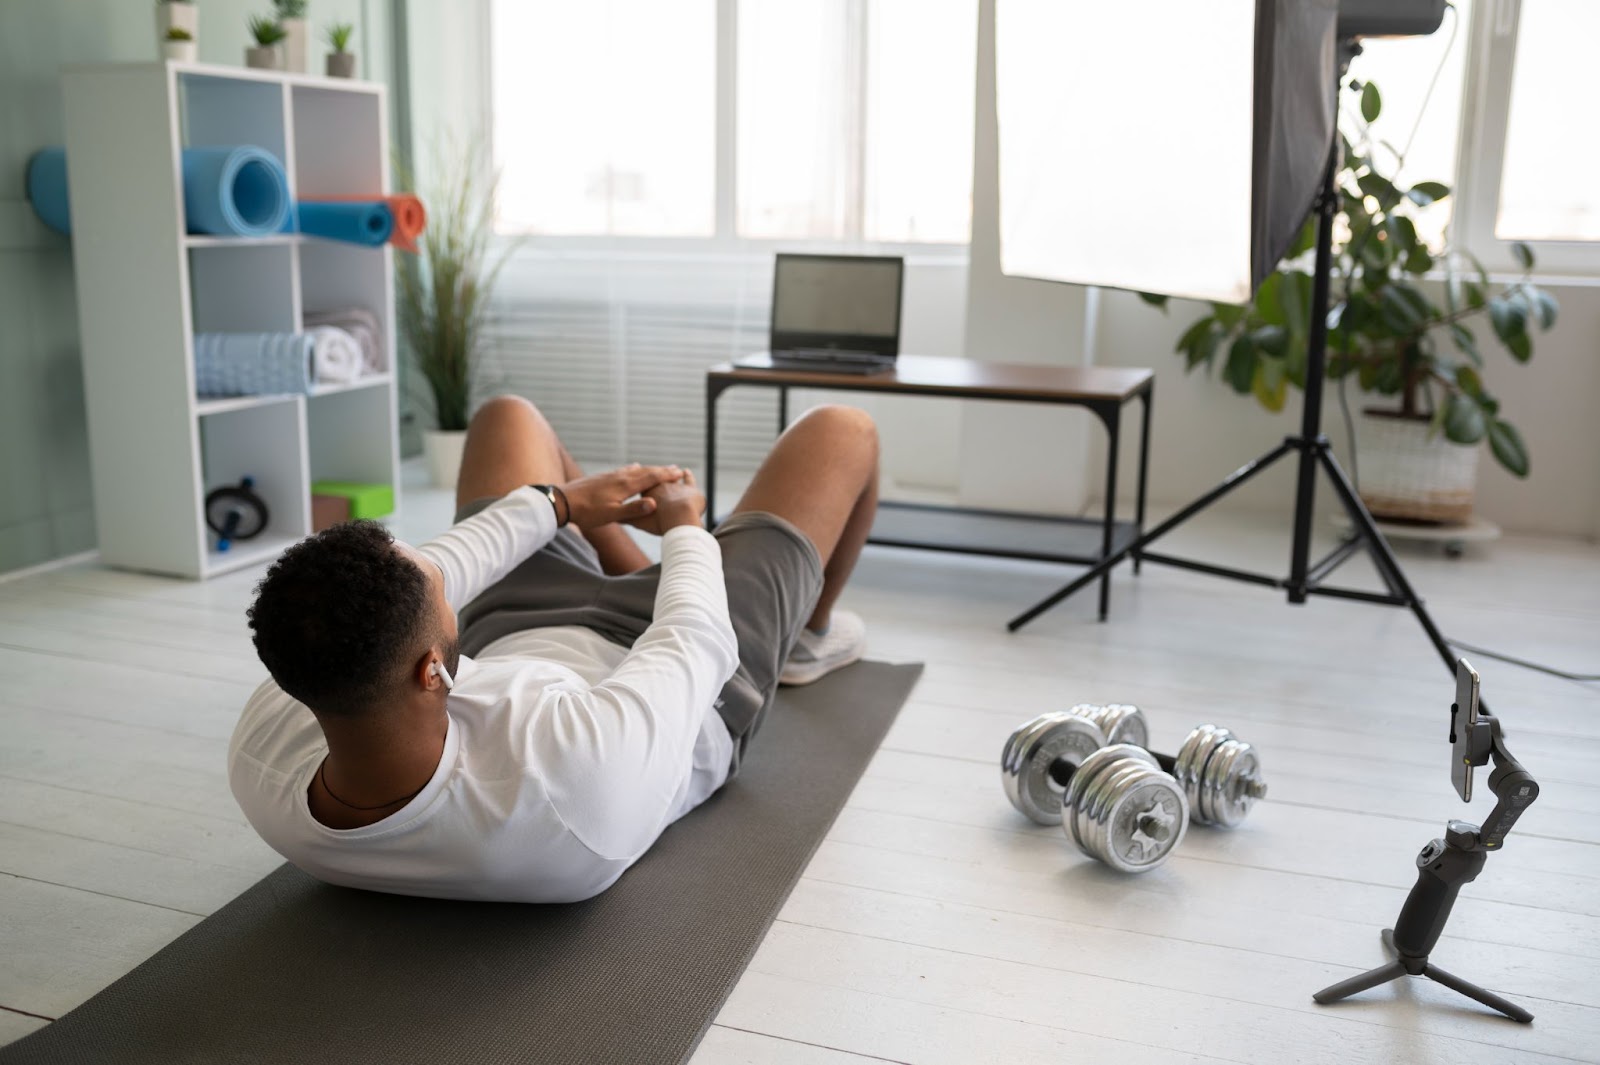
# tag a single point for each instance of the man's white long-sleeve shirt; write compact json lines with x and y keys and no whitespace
{"x":565,"y":755}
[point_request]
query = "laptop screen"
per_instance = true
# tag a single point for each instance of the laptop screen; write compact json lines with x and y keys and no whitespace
{"x":847,"y":302}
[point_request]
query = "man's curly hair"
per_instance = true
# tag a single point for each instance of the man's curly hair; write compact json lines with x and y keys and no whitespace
{"x":339,"y":616}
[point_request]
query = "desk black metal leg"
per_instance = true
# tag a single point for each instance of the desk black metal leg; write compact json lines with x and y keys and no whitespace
{"x":783,"y":409}
{"x":1146,"y":398}
{"x":1113,"y":420}
{"x":713,"y":391}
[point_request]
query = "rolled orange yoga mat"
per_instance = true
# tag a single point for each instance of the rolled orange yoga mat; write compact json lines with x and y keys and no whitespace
{"x":410,"y":217}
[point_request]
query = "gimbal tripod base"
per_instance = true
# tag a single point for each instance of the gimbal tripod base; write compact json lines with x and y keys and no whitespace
{"x":1418,"y":967}
{"x":1442,"y":868}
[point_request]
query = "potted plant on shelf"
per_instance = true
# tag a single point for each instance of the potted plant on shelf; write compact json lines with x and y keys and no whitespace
{"x":267,"y":53}
{"x":176,"y":15}
{"x":1392,"y":333}
{"x":444,"y":293}
{"x":341,"y":61}
{"x":178,"y":44}
{"x":292,"y":17}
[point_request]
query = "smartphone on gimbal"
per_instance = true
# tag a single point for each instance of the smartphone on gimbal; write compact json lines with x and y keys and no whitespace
{"x":1463,"y":718}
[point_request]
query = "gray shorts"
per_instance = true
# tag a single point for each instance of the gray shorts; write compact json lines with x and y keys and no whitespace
{"x":772,"y":571}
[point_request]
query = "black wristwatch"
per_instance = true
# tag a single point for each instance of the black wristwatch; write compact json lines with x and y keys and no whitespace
{"x":553,"y":493}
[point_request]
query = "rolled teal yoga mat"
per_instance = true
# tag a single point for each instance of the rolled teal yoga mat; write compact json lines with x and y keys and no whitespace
{"x":252,"y":364}
{"x":355,"y":222}
{"x":238,"y":192}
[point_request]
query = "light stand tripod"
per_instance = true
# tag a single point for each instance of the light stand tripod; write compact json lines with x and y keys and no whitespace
{"x":1305,"y":577}
{"x":1443,"y":866}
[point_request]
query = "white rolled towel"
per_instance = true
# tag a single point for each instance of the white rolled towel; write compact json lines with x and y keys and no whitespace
{"x":336,"y":356}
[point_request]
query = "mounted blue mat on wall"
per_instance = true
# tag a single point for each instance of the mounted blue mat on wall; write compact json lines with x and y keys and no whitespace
{"x":252,"y":364}
{"x":47,"y":188}
{"x":237,"y":192}
{"x":355,"y":222}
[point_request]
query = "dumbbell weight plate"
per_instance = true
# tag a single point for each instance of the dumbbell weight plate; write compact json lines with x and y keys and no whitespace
{"x":1036,"y":747}
{"x":1081,"y":786}
{"x":1145,"y":822}
{"x":1013,"y":741}
{"x":1224,"y":799}
{"x":1125,"y":723}
{"x":1190,"y":763}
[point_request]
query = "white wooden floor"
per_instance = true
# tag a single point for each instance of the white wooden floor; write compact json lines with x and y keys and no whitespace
{"x":935,"y":925}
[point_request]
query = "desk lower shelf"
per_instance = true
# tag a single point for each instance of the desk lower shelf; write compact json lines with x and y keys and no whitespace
{"x":1002,"y":534}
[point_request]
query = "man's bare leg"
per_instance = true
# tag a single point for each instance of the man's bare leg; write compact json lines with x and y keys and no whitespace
{"x":822,"y":476}
{"x":510,"y":444}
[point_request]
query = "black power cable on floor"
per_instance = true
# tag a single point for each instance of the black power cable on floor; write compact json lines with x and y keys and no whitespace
{"x":1523,"y":662}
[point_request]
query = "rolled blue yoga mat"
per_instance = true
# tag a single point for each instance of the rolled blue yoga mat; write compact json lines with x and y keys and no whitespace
{"x":354,"y":221}
{"x":47,"y":188}
{"x":238,"y":192}
{"x":252,"y":364}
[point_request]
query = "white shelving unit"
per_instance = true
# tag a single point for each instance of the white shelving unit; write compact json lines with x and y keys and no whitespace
{"x":146,"y":287}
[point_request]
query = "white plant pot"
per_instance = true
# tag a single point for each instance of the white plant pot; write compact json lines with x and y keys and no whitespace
{"x":184,"y":16}
{"x":269,"y":57}
{"x":1411,"y":473}
{"x":442,"y":450}
{"x":295,"y":40}
{"x":183,"y":51}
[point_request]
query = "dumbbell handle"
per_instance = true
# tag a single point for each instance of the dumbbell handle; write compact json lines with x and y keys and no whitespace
{"x":1061,"y":769}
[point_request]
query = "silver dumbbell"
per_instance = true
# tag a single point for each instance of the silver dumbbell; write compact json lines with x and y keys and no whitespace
{"x":1220,"y":773}
{"x":1114,"y":802}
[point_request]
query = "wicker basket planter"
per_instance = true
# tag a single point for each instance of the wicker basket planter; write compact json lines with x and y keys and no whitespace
{"x":1409,"y":473}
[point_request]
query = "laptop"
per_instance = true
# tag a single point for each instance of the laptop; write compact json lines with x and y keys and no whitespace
{"x":834,"y":314}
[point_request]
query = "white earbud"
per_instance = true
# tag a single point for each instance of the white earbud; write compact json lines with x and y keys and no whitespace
{"x":443,"y":674}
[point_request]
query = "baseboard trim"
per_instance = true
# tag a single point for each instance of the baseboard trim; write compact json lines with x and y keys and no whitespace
{"x":46,"y":567}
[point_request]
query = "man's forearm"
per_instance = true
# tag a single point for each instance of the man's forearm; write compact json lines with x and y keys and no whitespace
{"x":475,"y":553}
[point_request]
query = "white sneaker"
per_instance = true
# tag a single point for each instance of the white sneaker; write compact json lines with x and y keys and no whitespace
{"x":814,"y":657}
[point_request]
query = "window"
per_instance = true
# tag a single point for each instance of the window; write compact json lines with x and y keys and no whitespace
{"x":845,"y":120}
{"x":1548,"y":188}
{"x":605,"y":116}
{"x":1415,"y":128}
{"x":856,"y":120}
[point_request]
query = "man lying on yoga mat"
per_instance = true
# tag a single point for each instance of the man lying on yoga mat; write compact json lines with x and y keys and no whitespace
{"x":603,"y":698}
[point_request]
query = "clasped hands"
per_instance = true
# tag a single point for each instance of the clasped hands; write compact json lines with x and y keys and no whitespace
{"x":652,"y":498}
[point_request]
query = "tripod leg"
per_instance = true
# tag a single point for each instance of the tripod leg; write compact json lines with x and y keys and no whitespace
{"x":1357,"y":984}
{"x":1383,"y":556}
{"x":1095,"y":572}
{"x":1473,"y":991}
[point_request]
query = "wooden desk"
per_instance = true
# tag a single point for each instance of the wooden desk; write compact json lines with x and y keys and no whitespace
{"x":1048,"y":538}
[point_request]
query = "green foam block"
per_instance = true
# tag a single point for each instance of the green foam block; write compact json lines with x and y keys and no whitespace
{"x":366,"y":500}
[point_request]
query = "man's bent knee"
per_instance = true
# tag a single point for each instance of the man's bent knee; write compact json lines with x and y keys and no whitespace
{"x":506,"y":405}
{"x":844,"y":424}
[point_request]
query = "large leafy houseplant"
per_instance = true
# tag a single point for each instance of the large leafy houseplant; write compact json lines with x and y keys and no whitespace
{"x":1385,"y":330}
{"x":444,"y":289}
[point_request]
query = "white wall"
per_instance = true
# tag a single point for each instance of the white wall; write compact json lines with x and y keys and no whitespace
{"x":1012,"y":456}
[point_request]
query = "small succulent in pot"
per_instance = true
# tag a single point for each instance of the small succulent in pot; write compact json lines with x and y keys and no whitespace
{"x":178,"y":43}
{"x":268,"y":34}
{"x":341,"y":61}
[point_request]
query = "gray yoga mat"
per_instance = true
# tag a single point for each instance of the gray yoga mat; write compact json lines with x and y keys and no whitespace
{"x":296,"y":971}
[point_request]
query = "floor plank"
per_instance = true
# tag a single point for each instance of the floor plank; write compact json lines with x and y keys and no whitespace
{"x":62,"y":944}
